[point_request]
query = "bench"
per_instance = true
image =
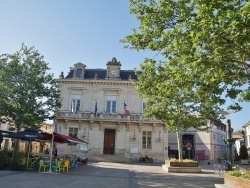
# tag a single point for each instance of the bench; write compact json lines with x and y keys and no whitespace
{"x":146,"y":160}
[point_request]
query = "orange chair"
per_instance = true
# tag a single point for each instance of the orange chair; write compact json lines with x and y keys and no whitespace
{"x":65,"y":166}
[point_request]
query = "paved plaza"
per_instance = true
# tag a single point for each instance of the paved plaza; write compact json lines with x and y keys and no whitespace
{"x":104,"y":174}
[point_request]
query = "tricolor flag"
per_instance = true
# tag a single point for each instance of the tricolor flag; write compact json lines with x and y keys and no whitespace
{"x":126,"y":109}
{"x":95,"y":107}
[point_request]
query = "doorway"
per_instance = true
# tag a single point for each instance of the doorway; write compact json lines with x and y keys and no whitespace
{"x":109,"y":142}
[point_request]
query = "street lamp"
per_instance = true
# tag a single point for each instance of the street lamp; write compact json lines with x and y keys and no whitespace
{"x":229,"y":140}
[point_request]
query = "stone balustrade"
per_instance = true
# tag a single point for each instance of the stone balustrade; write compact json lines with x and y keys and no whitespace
{"x":104,"y":116}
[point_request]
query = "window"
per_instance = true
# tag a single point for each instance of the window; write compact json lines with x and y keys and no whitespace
{"x":75,"y":103}
{"x":73,"y":132}
{"x":146,"y":140}
{"x":79,"y":73}
{"x":111,"y":106}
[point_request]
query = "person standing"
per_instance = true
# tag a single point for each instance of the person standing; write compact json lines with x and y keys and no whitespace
{"x":55,"y":152}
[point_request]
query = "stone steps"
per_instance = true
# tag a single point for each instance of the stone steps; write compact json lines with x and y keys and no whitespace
{"x":108,"y":158}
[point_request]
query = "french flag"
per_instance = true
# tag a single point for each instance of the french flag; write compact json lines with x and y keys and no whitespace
{"x":126,"y":109}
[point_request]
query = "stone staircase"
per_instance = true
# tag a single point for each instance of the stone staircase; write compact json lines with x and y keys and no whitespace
{"x":108,"y":158}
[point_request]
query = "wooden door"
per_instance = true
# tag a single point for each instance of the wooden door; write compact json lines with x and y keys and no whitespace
{"x":109,"y":142}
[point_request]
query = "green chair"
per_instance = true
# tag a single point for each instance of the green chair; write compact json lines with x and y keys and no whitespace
{"x":58,"y":167}
{"x":24,"y":161}
{"x":42,"y":166}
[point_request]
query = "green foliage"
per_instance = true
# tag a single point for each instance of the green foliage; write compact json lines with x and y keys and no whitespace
{"x":203,"y":61}
{"x":17,"y":157}
{"x":204,"y":44}
{"x":240,"y":173}
{"x":243,"y":152}
{"x":28,"y":93}
{"x":3,"y":157}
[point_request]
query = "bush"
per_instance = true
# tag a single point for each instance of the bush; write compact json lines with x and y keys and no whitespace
{"x":243,"y":152}
{"x":3,"y":157}
{"x":240,"y":173}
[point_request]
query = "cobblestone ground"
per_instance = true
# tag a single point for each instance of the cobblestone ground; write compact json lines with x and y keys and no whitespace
{"x":103,"y":174}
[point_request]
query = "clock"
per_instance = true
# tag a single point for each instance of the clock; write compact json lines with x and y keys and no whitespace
{"x":113,"y":72}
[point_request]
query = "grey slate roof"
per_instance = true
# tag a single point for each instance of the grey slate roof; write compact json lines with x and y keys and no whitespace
{"x":90,"y":74}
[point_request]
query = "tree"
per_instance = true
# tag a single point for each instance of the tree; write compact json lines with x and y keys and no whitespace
{"x":204,"y":53}
{"x":170,"y":100}
{"x":29,"y":95}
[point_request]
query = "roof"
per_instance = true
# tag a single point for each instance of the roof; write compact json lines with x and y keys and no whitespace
{"x":101,"y":73}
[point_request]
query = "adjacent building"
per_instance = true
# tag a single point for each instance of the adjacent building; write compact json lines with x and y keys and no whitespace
{"x":201,"y":145}
{"x":246,"y":136}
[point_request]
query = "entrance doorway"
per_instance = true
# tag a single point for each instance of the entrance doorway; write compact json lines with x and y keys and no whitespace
{"x":109,"y":142}
{"x":188,"y":153}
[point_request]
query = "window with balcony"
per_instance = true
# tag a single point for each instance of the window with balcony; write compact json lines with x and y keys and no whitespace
{"x":75,"y":103}
{"x":146,"y":140}
{"x":111,"y":106}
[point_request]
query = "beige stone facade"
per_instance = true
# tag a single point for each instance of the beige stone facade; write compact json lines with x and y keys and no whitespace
{"x":93,"y":109}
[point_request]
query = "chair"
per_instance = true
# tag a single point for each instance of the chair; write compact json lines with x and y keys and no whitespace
{"x":58,"y":167}
{"x":78,"y":163}
{"x":42,"y":165}
{"x":65,"y":166}
{"x":24,"y":161}
{"x":73,"y":164}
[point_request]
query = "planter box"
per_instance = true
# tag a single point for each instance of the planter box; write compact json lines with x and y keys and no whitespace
{"x":233,"y":181}
{"x":191,"y":170}
{"x":181,"y":164}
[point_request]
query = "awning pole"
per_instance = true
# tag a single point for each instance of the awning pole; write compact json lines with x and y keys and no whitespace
{"x":51,"y":149}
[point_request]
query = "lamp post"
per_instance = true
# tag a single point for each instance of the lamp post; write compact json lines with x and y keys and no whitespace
{"x":229,"y":140}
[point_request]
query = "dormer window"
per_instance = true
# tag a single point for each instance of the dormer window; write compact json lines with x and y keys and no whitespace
{"x":79,"y":73}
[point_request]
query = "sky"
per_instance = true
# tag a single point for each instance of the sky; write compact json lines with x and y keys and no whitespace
{"x":66,"y":32}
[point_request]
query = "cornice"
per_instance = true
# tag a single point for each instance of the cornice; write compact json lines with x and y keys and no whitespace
{"x":95,"y":82}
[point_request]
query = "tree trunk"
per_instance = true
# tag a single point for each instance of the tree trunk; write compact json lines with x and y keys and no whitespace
{"x":179,"y":141}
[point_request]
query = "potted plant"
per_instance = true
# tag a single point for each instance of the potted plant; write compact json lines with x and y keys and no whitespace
{"x":3,"y":159}
{"x":243,"y":155}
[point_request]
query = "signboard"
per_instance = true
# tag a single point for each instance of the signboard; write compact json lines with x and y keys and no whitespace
{"x":189,"y":146}
{"x":133,"y":150}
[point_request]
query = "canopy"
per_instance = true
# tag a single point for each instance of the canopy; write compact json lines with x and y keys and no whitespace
{"x":28,"y":134}
{"x":60,"y":138}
